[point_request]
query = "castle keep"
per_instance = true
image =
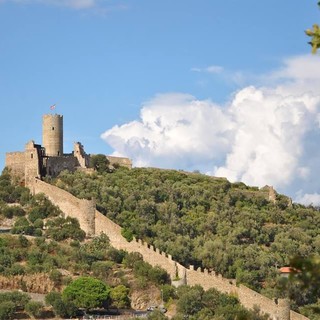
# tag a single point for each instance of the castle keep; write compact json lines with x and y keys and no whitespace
{"x":48,"y":159}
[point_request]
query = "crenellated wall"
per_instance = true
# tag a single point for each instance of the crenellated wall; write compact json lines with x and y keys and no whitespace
{"x":149,"y":253}
{"x":210,"y":280}
{"x":83,"y":210}
{"x":95,"y":223}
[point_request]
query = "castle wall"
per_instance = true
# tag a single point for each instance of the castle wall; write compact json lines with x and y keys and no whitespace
{"x":32,"y":162}
{"x":210,"y":280}
{"x":93,"y":222}
{"x":79,"y":153}
{"x":124,"y":162}
{"x":149,"y":253}
{"x":250,"y":298}
{"x":297,"y":316}
{"x":83,"y":210}
{"x":16,"y":162}
{"x":54,"y":165}
{"x":247,"y":297}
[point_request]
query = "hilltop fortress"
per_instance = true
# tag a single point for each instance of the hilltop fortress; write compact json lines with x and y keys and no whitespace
{"x":49,"y":159}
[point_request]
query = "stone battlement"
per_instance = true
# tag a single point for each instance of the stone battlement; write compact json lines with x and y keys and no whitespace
{"x":95,"y":223}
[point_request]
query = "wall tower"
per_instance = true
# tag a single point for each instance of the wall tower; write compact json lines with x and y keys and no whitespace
{"x":52,"y":134}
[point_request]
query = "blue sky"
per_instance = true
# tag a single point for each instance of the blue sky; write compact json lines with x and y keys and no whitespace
{"x":223,"y":86}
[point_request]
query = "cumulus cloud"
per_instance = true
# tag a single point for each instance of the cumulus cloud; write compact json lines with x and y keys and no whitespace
{"x":265,"y":134}
{"x":308,"y":198}
{"x":176,"y":130}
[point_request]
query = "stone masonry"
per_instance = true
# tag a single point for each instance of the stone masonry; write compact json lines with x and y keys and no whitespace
{"x":38,"y":161}
{"x":95,"y":223}
{"x":48,"y":159}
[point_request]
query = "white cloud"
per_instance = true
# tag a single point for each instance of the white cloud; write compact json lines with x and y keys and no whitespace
{"x":210,"y":69}
{"x":175,"y":130}
{"x":264,"y":135}
{"x":308,"y":198}
{"x":214,"y":69}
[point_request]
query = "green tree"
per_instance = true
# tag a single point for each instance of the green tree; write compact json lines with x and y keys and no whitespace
{"x":190,"y":300}
{"x":64,"y":228}
{"x":315,"y":36}
{"x":168,"y":292}
{"x":120,"y":297}
{"x":87,"y":292}
{"x":99,"y":162}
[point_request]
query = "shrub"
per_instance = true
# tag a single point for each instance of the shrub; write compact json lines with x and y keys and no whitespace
{"x":38,"y":223}
{"x":158,"y":275}
{"x":127,"y":234}
{"x":119,"y":296}
{"x":131,"y":258}
{"x":34,"y":308}
{"x":56,"y":276}
{"x":15,"y":269}
{"x":116,"y":255}
{"x":10,"y":212}
{"x":22,"y":226}
{"x":101,"y":269}
{"x":7,"y":309}
{"x":19,"y":299}
{"x":60,"y":307}
{"x":168,"y":292}
{"x":64,"y":228}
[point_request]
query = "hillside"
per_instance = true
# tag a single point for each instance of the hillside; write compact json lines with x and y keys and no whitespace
{"x":47,"y":253}
{"x":208,"y":222}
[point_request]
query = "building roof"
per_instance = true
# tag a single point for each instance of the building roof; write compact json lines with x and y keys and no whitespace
{"x":286,"y":270}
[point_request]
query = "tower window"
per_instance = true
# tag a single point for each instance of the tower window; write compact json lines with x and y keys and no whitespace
{"x":52,"y":128}
{"x":31,"y":155}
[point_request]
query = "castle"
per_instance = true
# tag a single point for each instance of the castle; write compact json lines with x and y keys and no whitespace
{"x":49,"y":159}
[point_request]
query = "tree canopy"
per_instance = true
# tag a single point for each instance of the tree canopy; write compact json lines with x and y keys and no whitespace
{"x":87,"y":292}
{"x":207,"y":222}
{"x":314,"y":33}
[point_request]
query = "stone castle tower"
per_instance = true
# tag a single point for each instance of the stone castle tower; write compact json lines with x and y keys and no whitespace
{"x":49,"y":159}
{"x":52,"y":134}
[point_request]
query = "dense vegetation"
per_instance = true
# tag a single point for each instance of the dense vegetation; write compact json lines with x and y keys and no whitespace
{"x":207,"y":222}
{"x":44,"y":242}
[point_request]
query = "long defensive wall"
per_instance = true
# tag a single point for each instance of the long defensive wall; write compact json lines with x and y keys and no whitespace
{"x":95,"y":223}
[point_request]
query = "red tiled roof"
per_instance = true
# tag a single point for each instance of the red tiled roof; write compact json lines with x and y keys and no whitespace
{"x":286,"y":270}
